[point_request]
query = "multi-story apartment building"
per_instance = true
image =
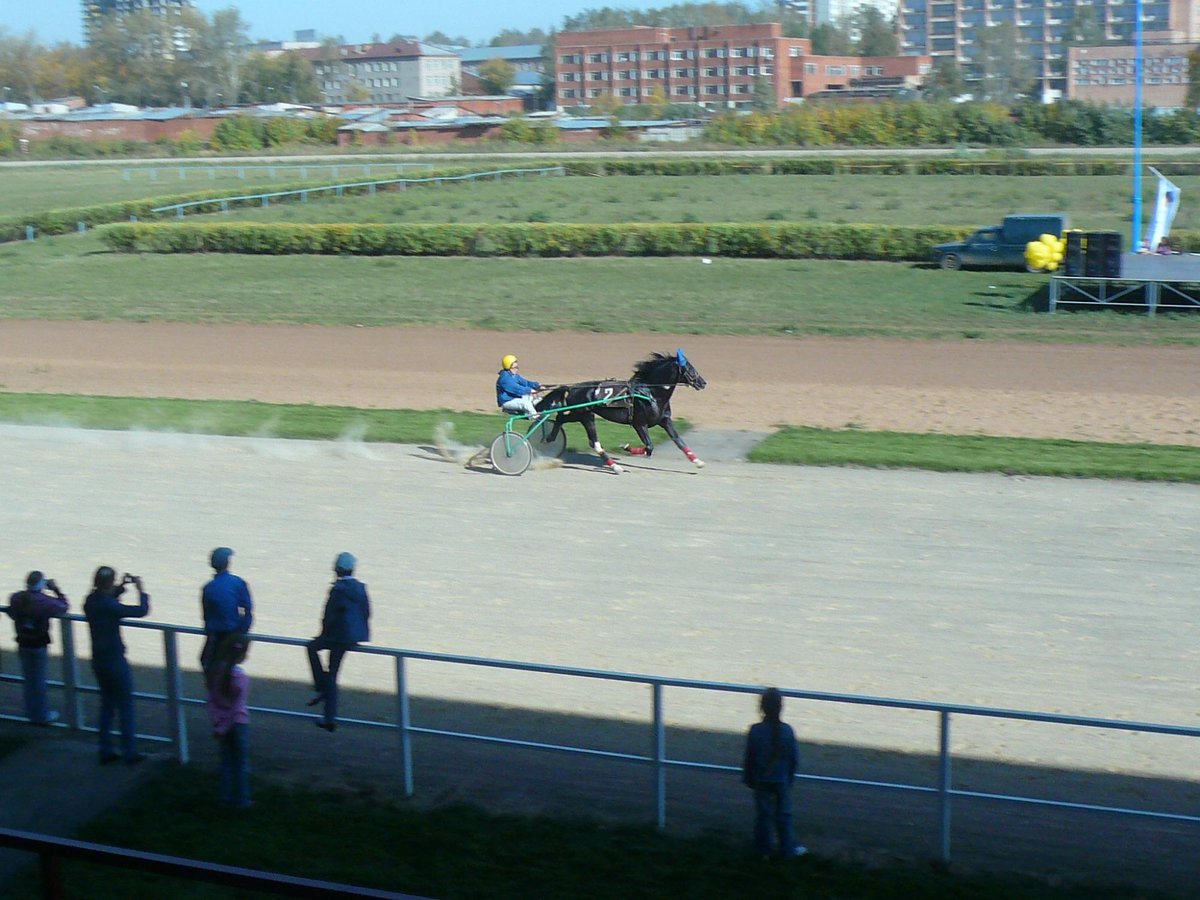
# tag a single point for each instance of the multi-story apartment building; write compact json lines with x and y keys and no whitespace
{"x":1044,"y":27}
{"x":1105,"y":74}
{"x":95,"y":10}
{"x":386,"y":73}
{"x":710,"y":65}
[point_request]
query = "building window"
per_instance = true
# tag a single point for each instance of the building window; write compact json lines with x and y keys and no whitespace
{"x":835,"y":70}
{"x":765,"y":70}
{"x":567,"y":76}
{"x":594,"y":92}
{"x":677,"y":54}
{"x":598,"y":76}
{"x":741,"y":88}
{"x":622,"y":57}
{"x":737,"y":52}
{"x":712,"y":89}
{"x":653,"y":73}
{"x":597,"y":57}
{"x":766,"y":52}
{"x":793,"y":52}
{"x":628,"y":92}
{"x":710,"y":53}
{"x":567,"y":93}
{"x":684,"y":73}
{"x":810,"y":68}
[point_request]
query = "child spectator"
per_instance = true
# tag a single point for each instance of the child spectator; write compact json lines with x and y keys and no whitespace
{"x":769,"y":768}
{"x":229,"y":712}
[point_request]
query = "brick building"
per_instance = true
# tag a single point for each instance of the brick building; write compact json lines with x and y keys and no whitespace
{"x":710,"y":66}
{"x":389,"y":72}
{"x":1106,"y":74}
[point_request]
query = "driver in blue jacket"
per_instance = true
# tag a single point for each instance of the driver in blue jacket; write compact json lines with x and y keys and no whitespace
{"x":514,"y":393}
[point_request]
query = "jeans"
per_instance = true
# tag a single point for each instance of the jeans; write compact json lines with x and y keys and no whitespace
{"x":773,"y":807}
{"x":116,"y":695}
{"x":235,"y":765}
{"x":325,"y":682}
{"x":33,"y":668}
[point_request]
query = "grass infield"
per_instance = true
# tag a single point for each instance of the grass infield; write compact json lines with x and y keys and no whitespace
{"x":798,"y":446}
{"x":458,"y":852}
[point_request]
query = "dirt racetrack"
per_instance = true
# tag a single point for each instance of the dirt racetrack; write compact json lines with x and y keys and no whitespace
{"x":1085,"y":392}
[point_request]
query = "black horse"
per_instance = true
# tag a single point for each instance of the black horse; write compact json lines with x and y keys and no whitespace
{"x":642,"y":402}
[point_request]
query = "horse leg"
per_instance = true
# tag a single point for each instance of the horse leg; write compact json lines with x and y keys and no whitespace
{"x":647,"y":448}
{"x":669,"y":427}
{"x":589,"y":425}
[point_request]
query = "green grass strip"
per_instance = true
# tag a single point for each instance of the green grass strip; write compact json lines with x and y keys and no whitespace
{"x":249,"y":418}
{"x":980,"y":453}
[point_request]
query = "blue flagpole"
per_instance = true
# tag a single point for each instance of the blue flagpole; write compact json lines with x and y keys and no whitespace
{"x":1137,"y":127}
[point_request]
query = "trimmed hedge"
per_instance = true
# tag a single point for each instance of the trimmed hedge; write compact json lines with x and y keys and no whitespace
{"x":863,"y":166}
{"x":754,"y":240}
{"x":63,"y":221}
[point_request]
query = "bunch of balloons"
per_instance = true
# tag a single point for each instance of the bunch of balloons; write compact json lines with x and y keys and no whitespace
{"x":1045,"y":254}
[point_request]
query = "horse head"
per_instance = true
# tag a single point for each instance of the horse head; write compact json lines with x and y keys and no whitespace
{"x":668,"y":370}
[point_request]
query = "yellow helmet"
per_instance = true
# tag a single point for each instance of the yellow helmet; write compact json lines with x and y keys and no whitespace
{"x":507,"y":361}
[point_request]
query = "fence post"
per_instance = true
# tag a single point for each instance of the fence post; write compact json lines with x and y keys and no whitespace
{"x":403,"y":722}
{"x":660,"y":756}
{"x":944,"y":786}
{"x":50,"y":869}
{"x":175,"y":719}
{"x":70,"y":675}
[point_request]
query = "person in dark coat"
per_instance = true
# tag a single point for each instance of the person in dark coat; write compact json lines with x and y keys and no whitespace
{"x":31,"y":611}
{"x":344,"y":624}
{"x":225,"y":604}
{"x":769,"y":768}
{"x":104,"y":612}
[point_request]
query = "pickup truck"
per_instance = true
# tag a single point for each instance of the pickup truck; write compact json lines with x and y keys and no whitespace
{"x":1000,"y":245}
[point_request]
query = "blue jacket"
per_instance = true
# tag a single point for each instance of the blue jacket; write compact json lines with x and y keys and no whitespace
{"x":225,"y":602}
{"x":770,"y":754}
{"x":104,"y":613}
{"x":510,"y":386}
{"x":347,"y":612}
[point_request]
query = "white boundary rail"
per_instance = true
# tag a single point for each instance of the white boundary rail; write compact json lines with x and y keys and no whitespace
{"x":175,"y":700}
{"x":371,"y":186}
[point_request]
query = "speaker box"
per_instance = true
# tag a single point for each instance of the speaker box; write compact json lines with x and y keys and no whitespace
{"x":1093,"y":257}
{"x":1073,"y":257}
{"x":1111,"y":265}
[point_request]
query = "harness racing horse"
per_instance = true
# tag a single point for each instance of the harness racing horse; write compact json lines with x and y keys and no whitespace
{"x":642,"y":402}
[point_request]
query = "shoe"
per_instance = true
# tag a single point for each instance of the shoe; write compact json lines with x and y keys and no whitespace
{"x":331,"y":727}
{"x":317,"y":698}
{"x":135,"y":759}
{"x":51,"y":718}
{"x":798,"y":851}
{"x":106,"y":758}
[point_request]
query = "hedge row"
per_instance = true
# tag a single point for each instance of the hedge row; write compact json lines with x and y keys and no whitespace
{"x":772,"y":240}
{"x":865,"y":166}
{"x":62,"y":221}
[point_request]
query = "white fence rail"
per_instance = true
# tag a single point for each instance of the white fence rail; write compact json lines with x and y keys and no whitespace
{"x":175,"y":700}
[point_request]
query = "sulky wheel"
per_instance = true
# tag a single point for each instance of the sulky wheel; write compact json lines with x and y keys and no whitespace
{"x":543,"y":444}
{"x":511,"y":453}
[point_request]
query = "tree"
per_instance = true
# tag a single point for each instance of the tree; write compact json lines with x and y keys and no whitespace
{"x":1005,"y":72}
{"x":764,"y":95}
{"x":511,"y":37}
{"x":497,"y":75}
{"x":1085,"y":28}
{"x":831,"y":40}
{"x":607,"y":105}
{"x":440,"y":38}
{"x":945,"y":81}
{"x":18,"y":64}
{"x":656,"y":104}
{"x":876,"y":35}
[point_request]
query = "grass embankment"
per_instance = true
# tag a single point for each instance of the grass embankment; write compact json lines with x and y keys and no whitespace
{"x":798,"y":446}
{"x":73,"y":278}
{"x":465,"y":852}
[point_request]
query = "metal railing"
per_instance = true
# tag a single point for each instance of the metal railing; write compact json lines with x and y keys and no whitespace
{"x":658,"y":760}
{"x":52,"y":851}
{"x":339,"y":189}
{"x":182,"y":173}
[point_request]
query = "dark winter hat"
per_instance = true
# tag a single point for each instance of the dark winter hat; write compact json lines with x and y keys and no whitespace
{"x":345,"y":563}
{"x":35,"y":580}
{"x":220,"y":558}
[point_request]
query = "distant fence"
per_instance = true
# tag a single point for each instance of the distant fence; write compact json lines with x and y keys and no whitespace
{"x":659,"y":761}
{"x":185,"y":173}
{"x":368,"y":187}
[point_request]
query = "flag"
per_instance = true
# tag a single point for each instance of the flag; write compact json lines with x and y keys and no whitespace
{"x":1165,"y":207}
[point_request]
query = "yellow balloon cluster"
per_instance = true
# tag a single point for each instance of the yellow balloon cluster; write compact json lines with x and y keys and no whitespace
{"x":1045,"y":254}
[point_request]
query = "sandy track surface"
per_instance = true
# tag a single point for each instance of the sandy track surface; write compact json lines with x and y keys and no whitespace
{"x":1084,"y":392}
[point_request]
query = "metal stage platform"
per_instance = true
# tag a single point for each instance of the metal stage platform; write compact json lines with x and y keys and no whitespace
{"x":1148,"y":281}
